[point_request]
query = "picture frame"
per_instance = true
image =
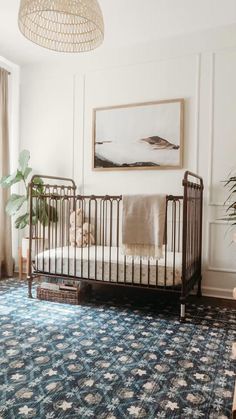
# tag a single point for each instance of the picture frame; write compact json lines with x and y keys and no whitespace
{"x":139,"y":136}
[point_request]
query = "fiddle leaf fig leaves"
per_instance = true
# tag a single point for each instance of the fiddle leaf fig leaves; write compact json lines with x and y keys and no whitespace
{"x":8,"y":181}
{"x":24,"y":160}
{"x":27,"y":171}
{"x":44,"y":212}
{"x":14,"y":203}
{"x":22,"y":221}
{"x":230,"y":184}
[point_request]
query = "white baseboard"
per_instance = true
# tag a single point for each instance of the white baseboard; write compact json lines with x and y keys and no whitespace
{"x":217,"y":292}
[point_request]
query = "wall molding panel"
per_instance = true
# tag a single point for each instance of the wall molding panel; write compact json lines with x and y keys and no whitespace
{"x":211,"y":266}
{"x":219,"y":266}
{"x":211,"y":134}
{"x":197,"y":115}
{"x":223,"y":54}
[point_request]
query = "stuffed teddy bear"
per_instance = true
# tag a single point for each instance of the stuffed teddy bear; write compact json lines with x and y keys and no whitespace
{"x":84,"y":236}
{"x":81,"y":235}
{"x":88,"y":236}
{"x":76,"y":218}
{"x":80,"y":240}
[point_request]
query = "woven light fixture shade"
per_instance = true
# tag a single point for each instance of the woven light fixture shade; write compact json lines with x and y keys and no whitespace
{"x":62,"y":25}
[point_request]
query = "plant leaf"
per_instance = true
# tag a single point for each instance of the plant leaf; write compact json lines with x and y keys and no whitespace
{"x":38,"y":188}
{"x":43,"y":212}
{"x":22,"y":221}
{"x":231,"y":179}
{"x":8,"y":181}
{"x":34,"y":220}
{"x":24,"y":159}
{"x":46,"y":213}
{"x":27,"y":171}
{"x":14,"y":203}
{"x":53,"y":217}
{"x":231,"y":206}
{"x":38,"y":181}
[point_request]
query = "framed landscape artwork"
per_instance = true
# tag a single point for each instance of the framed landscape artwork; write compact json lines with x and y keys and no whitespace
{"x":139,"y":136}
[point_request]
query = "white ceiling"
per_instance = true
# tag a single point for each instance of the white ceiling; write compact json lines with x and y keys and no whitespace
{"x":127,"y":23}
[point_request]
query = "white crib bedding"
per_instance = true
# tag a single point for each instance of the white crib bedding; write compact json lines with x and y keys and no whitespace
{"x":108,"y":264}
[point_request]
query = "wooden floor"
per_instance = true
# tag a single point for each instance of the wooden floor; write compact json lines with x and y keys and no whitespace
{"x":152,"y":295}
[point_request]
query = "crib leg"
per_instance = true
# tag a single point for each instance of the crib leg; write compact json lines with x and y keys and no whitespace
{"x":182,"y":312}
{"x":30,"y":280}
{"x":199,"y":288}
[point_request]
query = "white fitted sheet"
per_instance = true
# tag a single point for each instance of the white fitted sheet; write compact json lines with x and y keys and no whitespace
{"x":111,"y":265}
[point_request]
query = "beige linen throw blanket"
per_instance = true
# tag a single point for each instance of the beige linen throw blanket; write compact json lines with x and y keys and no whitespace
{"x":143,"y":225}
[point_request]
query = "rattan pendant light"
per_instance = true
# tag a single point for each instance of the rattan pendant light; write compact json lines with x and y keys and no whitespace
{"x":62,"y":25}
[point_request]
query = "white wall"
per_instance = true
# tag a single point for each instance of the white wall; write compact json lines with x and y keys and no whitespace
{"x":56,"y":124}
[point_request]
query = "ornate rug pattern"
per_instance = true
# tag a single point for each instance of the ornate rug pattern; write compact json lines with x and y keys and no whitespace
{"x":107,"y":360}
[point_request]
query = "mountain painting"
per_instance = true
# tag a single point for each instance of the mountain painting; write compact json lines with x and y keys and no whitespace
{"x":139,"y":136}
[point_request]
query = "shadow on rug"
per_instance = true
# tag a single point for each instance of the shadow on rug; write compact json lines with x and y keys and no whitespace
{"x":106,"y":360}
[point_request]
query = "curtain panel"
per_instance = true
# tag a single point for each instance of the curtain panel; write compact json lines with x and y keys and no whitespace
{"x":6,"y":262}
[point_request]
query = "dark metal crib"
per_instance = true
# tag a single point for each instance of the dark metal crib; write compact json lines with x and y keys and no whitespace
{"x":52,"y":255}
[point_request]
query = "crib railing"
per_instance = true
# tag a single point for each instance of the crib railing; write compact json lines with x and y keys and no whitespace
{"x":103,"y":261}
{"x":192,"y":232}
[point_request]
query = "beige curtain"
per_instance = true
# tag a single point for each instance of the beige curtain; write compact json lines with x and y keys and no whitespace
{"x":6,"y":264}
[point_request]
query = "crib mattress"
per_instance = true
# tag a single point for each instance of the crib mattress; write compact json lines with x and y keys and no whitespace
{"x":108,"y":264}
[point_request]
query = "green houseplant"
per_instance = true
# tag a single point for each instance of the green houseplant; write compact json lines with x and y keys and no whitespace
{"x":230,"y":202}
{"x":17,"y":205}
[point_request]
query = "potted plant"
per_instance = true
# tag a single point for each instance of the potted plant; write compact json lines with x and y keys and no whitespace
{"x":17,"y":205}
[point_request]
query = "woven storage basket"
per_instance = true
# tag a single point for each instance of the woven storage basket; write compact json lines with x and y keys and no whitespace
{"x":58,"y":296}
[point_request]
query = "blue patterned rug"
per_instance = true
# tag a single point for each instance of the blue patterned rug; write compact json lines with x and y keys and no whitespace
{"x":105,"y":360}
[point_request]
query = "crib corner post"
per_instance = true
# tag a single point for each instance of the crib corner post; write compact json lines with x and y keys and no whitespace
{"x":199,"y":287}
{"x":30,"y":280}
{"x":182,"y":309}
{"x":182,"y":312}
